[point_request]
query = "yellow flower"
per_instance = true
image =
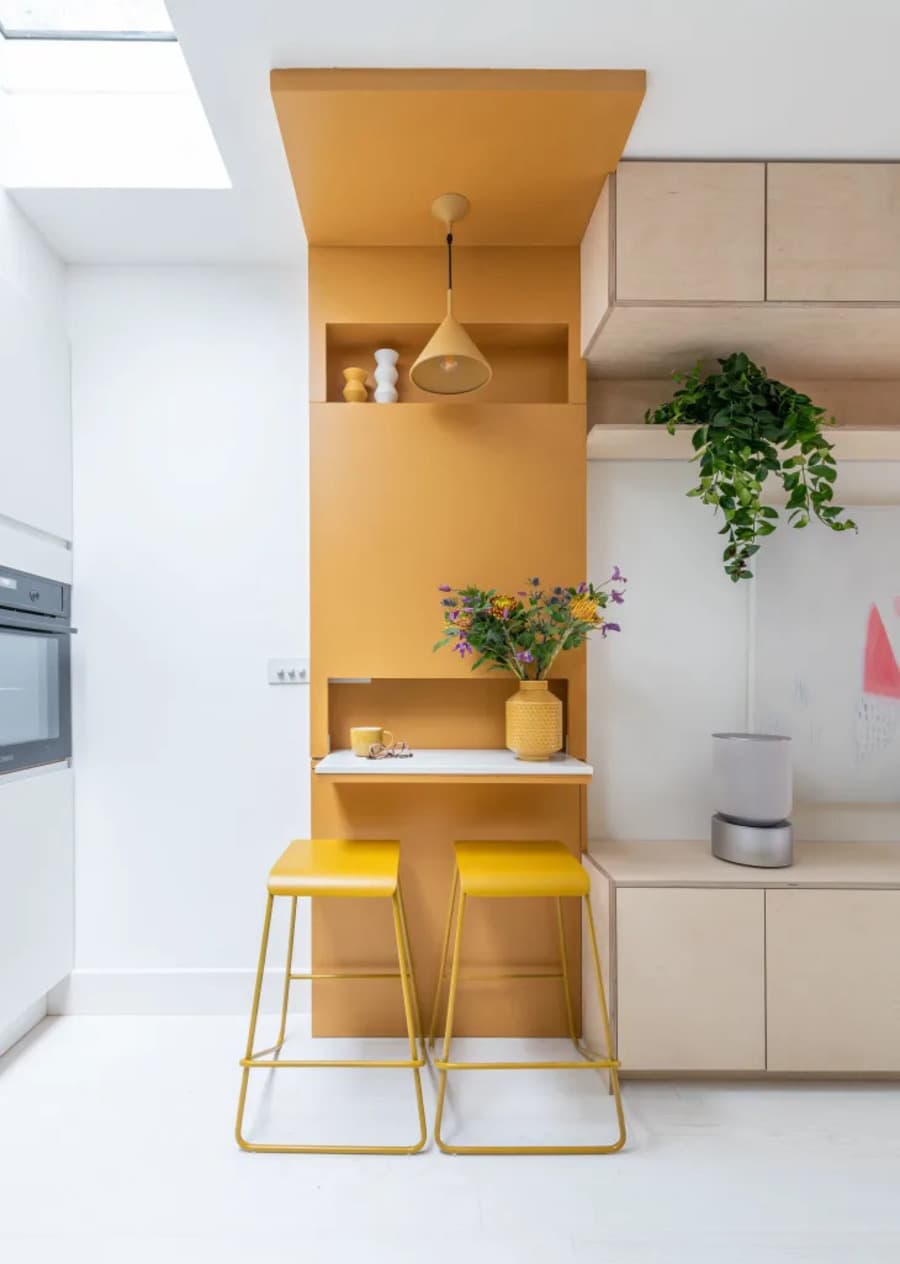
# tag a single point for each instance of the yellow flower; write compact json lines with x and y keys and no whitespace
{"x":584,"y":609}
{"x":463,"y":620}
{"x":502,"y":607}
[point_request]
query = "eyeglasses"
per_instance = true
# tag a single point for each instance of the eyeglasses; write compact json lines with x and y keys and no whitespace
{"x":398,"y":750}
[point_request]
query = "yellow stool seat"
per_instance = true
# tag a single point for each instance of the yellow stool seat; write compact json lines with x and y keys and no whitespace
{"x":349,"y":869}
{"x":497,"y":870}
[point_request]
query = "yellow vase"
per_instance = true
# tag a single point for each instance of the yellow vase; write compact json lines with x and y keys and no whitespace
{"x":534,"y":721}
{"x":355,"y":391}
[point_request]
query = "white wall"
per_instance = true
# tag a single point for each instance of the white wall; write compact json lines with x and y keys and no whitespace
{"x":191,"y":472}
{"x":680,"y":669}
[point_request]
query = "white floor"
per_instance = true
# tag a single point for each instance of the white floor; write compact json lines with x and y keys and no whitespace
{"x":116,"y":1145}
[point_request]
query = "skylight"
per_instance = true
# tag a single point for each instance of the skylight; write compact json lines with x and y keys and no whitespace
{"x":85,"y":20}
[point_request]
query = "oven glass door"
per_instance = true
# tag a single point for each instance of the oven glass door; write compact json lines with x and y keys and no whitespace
{"x":34,"y":697}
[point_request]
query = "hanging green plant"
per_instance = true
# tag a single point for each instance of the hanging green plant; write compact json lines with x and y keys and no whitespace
{"x":749,"y":426}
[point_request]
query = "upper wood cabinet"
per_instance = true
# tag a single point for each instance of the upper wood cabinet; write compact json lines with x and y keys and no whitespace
{"x":690,"y":231}
{"x":834,"y":232}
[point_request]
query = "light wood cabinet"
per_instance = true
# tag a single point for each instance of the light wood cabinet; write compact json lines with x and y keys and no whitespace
{"x":718,"y":968}
{"x":690,"y":231}
{"x":833,"y":967}
{"x":833,"y":232}
{"x":691,"y":989}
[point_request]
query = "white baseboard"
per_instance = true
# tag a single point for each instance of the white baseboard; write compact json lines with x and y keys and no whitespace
{"x":171,"y":992}
{"x":13,"y":1032}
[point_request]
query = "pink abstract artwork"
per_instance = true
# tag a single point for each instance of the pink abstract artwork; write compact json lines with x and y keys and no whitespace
{"x":827,"y":661}
{"x":881,"y":673}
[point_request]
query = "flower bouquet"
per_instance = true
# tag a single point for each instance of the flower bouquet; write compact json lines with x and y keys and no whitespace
{"x":523,"y":634}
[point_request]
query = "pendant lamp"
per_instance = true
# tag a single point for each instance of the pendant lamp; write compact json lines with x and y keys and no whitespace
{"x":450,"y":364}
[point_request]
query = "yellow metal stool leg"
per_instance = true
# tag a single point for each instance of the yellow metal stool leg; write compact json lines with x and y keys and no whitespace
{"x":411,"y":1025}
{"x":614,"y":1085}
{"x":442,"y":971}
{"x":448,"y":1025}
{"x":287,"y":975}
{"x":251,"y":1034}
{"x":407,"y":948}
{"x":567,"y":989}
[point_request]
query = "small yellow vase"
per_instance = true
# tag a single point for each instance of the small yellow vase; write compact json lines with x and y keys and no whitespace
{"x":355,"y":391}
{"x":534,"y":721}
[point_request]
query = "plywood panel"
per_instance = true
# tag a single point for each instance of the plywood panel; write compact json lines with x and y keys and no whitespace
{"x":690,"y":969}
{"x":691,"y":864}
{"x":407,"y":497}
{"x":834,"y":231}
{"x":790,"y":340}
{"x":513,"y":296}
{"x":854,"y":402}
{"x":514,"y":933}
{"x":597,"y":266}
{"x":602,"y":899}
{"x":833,"y":968}
{"x":459,"y":714}
{"x":690,"y":230}
{"x":530,"y":148}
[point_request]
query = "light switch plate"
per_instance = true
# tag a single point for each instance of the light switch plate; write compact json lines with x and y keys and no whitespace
{"x":288,"y":671}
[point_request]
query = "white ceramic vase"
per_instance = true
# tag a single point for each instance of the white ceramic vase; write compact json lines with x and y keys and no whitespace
{"x":386,"y":376}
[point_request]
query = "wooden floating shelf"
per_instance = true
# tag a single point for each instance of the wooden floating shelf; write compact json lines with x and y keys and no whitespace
{"x":654,"y":443}
{"x":447,"y":766}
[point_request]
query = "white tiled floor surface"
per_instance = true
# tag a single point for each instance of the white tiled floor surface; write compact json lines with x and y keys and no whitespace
{"x":116,"y":1145}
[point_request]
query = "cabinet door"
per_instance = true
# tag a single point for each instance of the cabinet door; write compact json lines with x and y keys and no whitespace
{"x":833,"y":980}
{"x":36,"y":888}
{"x":690,"y":971}
{"x":690,"y":231}
{"x":834,"y":231}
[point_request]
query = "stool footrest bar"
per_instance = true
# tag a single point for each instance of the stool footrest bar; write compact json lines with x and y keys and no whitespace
{"x":607,"y":1064}
{"x":273,"y":1063}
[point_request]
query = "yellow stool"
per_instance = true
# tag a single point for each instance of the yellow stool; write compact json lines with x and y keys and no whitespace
{"x":336,"y":868}
{"x":538,"y":870}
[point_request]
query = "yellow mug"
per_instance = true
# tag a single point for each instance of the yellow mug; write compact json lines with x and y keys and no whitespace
{"x":362,"y":738}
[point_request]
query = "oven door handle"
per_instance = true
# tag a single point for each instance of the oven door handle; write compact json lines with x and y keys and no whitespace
{"x":10,"y":623}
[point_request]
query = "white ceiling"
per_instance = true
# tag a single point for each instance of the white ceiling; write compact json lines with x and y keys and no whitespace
{"x":726,"y":79}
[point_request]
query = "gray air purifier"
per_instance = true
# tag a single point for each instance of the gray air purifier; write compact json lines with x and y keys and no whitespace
{"x":753,"y":789}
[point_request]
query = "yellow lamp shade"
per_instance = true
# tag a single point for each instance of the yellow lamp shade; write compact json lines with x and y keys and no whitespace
{"x":450,"y":364}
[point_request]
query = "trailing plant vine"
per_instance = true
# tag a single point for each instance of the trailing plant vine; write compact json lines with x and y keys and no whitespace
{"x":749,"y":426}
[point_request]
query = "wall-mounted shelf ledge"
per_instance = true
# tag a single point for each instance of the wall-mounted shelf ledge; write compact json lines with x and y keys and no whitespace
{"x":654,"y":443}
{"x":468,"y":766}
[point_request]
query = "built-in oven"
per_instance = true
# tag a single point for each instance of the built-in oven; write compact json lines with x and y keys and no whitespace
{"x":35,"y":672}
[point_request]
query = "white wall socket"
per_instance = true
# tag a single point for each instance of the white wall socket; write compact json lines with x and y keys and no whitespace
{"x":288,"y":671}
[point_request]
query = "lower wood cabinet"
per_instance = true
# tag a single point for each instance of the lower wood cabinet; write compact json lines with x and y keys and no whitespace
{"x":833,"y":969}
{"x":716,"y":968}
{"x":691,"y":979}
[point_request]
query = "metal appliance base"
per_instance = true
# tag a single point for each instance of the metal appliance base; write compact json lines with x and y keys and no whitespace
{"x":761,"y":846}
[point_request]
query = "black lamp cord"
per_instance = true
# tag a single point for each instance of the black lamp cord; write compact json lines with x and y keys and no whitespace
{"x":449,"y":261}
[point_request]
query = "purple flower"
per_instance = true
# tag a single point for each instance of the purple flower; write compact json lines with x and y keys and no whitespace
{"x":462,"y":647}
{"x":535,"y":582}
{"x":524,"y":656}
{"x":557,"y":592}
{"x":617,"y":574}
{"x":444,"y":588}
{"x":521,"y":594}
{"x":448,"y":601}
{"x":582,"y":588}
{"x":617,"y":597}
{"x":609,"y":627}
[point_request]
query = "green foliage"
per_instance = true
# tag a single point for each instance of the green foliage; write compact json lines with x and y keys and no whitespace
{"x":748,"y":427}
